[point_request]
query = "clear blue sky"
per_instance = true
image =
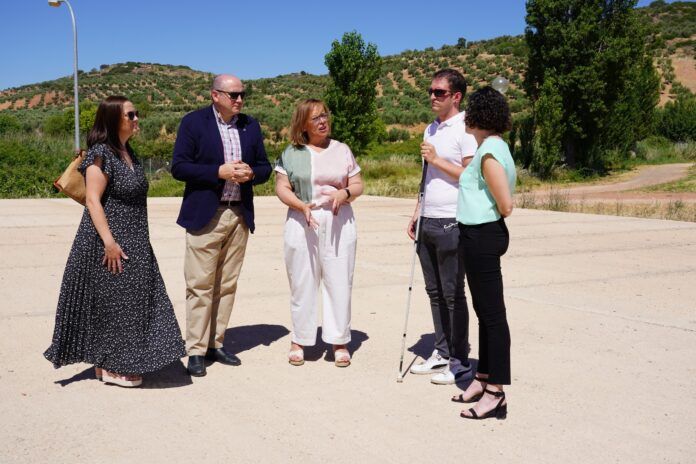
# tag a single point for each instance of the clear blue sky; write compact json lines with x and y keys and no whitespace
{"x":250,"y":38}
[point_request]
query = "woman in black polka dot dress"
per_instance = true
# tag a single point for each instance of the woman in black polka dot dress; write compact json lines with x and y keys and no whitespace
{"x":113,"y":310}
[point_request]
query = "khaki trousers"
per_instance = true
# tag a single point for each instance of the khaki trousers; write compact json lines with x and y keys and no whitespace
{"x":213,"y":260}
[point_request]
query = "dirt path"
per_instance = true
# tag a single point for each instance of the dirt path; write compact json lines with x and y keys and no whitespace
{"x":644,"y":176}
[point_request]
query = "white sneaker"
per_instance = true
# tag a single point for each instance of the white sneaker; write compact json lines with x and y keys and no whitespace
{"x":447,"y":377}
{"x":435,"y":363}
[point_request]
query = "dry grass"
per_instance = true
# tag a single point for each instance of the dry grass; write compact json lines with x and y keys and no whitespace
{"x":676,"y":210}
{"x":399,"y":176}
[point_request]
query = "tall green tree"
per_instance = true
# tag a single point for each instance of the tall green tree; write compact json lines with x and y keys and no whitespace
{"x":547,"y":152}
{"x":597,"y":54}
{"x":354,"y":68}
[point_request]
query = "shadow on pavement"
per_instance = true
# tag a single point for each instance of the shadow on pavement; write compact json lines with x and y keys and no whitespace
{"x":424,"y":346}
{"x":171,"y":376}
{"x":321,"y":349}
{"x":247,"y":337}
{"x":87,"y":374}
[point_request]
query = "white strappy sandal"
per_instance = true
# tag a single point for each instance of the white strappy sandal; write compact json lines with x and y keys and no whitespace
{"x":298,"y":356}
{"x":341,"y":357}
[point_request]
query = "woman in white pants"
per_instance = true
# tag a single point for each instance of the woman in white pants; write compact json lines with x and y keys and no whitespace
{"x":318,"y":178}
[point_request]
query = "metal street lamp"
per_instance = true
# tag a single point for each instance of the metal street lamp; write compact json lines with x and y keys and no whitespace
{"x":57,"y":3}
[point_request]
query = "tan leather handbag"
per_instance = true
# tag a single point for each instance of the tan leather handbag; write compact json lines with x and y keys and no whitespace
{"x":71,"y":182}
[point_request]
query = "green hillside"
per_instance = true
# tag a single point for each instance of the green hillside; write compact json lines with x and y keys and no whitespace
{"x":165,"y":92}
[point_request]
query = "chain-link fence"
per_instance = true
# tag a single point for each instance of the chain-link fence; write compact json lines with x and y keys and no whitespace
{"x":154,"y":167}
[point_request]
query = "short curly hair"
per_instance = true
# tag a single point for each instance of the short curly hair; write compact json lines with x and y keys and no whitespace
{"x":488,"y":110}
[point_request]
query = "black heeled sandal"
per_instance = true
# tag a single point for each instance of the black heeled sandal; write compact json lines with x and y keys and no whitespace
{"x":460,"y":398}
{"x":499,"y":412}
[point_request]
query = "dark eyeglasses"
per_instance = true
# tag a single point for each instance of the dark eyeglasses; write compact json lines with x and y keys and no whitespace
{"x":439,"y":93}
{"x":132,"y":115}
{"x":233,"y":95}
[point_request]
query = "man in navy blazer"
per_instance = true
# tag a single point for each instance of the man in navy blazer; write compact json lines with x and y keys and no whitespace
{"x":219,"y":153}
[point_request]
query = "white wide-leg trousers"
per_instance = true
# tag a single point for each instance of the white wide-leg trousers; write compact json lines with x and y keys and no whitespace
{"x":327,"y":256}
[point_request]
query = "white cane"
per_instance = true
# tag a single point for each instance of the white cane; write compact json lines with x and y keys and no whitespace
{"x":416,"y":244}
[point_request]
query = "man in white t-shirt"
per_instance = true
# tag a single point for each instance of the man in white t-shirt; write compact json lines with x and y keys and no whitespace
{"x":441,"y":261}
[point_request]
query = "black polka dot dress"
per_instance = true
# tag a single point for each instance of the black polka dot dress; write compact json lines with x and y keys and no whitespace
{"x":124,"y":322}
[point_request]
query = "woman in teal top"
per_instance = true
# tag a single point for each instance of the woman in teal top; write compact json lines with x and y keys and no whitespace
{"x":485,"y":198}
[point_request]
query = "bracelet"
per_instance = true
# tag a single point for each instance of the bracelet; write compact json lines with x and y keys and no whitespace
{"x":348,"y":192}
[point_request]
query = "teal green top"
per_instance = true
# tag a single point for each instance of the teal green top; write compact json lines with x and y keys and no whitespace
{"x":475,"y":204}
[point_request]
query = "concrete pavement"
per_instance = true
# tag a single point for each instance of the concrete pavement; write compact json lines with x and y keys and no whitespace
{"x":603,"y":319}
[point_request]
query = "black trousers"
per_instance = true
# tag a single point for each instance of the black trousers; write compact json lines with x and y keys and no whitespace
{"x":443,"y":271}
{"x":482,"y":246}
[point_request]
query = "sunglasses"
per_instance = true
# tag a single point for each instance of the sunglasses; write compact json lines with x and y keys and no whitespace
{"x":319,"y":118}
{"x":132,"y":115}
{"x":233,"y":95}
{"x":439,"y":93}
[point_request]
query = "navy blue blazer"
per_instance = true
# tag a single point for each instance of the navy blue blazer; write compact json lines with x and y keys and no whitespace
{"x":198,"y":154}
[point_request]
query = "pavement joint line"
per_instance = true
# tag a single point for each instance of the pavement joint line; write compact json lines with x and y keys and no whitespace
{"x":609,"y":278}
{"x":657,"y":246}
{"x":51,"y":314}
{"x":660,"y":246}
{"x":380,"y":267}
{"x":592,"y":219}
{"x":686,"y":227}
{"x":41,"y":226}
{"x":599,"y":313}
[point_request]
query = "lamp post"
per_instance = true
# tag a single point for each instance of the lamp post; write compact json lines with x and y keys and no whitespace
{"x":56,"y":3}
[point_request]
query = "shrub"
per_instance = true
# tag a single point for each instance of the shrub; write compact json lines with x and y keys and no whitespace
{"x":56,"y":125}
{"x":677,"y":120}
{"x":29,"y":165}
{"x":394,"y":134}
{"x":157,"y":148}
{"x":9,"y":123}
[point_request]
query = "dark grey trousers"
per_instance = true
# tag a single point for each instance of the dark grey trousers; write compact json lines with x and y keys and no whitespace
{"x":443,"y":271}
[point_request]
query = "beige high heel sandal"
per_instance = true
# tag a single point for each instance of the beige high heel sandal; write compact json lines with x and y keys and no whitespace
{"x":126,"y":381}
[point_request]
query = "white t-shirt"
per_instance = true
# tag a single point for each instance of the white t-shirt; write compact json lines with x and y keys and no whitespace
{"x":452,"y":143}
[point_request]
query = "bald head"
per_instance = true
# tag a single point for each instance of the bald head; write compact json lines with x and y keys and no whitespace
{"x":226,"y":82}
{"x":228,"y":95}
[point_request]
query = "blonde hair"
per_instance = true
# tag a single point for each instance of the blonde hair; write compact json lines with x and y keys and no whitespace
{"x":298,"y":135}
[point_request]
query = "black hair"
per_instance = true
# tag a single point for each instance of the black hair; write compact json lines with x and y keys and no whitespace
{"x":107,"y":123}
{"x":454,"y":78}
{"x":488,"y":110}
